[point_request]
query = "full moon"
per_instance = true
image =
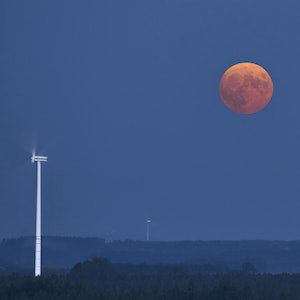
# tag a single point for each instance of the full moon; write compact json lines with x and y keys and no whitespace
{"x":246,"y":88}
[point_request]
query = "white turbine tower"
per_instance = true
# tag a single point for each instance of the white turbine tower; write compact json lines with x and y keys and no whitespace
{"x":148,"y":221}
{"x":38,"y":238}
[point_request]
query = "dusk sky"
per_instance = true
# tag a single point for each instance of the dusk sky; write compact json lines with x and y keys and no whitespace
{"x":123,"y":97}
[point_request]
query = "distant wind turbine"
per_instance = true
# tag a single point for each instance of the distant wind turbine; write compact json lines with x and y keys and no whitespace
{"x":38,"y":238}
{"x":148,"y":221}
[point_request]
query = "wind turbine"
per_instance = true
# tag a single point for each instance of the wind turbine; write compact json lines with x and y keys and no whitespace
{"x":148,"y":221}
{"x":38,"y":238}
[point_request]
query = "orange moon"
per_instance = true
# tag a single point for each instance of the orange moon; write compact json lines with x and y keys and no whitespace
{"x":246,"y":88}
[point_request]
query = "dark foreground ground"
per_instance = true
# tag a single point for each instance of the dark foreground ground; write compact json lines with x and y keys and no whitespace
{"x":100,"y":279}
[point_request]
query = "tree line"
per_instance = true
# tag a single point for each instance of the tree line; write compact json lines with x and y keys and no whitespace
{"x":101,"y":279}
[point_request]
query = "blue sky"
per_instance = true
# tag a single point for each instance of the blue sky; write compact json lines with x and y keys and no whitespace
{"x":123,"y":98}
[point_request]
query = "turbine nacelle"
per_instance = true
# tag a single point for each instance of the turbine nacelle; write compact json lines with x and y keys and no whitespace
{"x":36,"y":158}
